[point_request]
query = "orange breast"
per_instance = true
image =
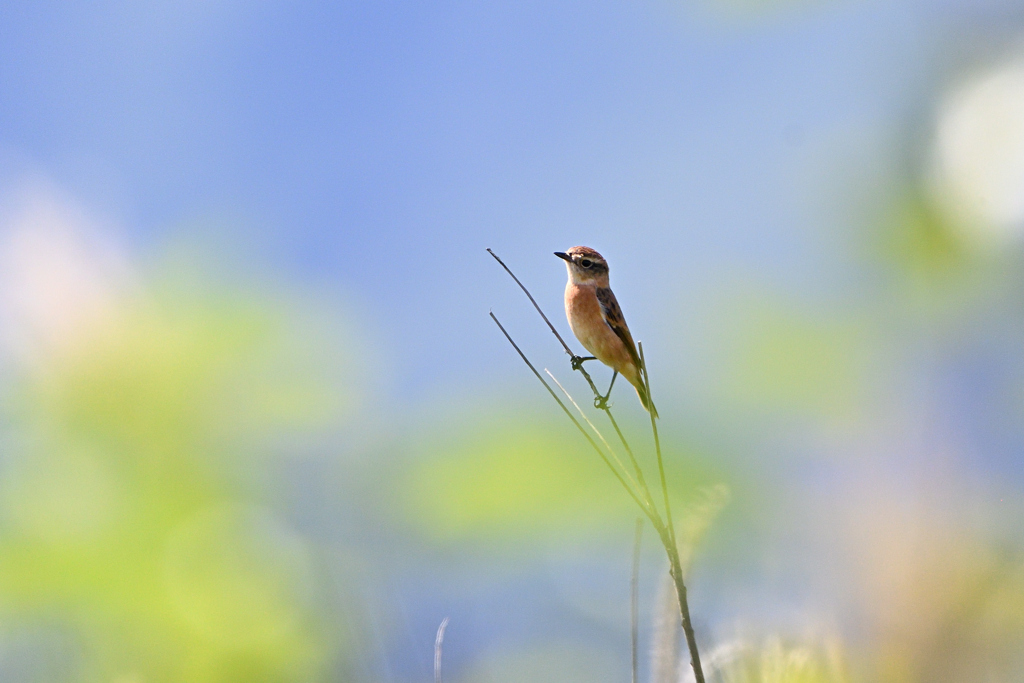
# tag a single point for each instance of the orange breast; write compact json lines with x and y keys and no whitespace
{"x":584,"y":313}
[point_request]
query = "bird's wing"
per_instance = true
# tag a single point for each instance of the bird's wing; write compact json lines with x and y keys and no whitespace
{"x":613,"y":317}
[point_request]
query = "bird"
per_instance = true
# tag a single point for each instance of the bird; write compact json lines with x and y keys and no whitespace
{"x":596,"y":319}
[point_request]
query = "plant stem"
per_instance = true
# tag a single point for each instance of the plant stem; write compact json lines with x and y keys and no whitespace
{"x":684,"y":611}
{"x":591,"y":425}
{"x":534,"y":302}
{"x":677,"y":570}
{"x":438,"y":644}
{"x":634,"y":599}
{"x":572,"y":417}
{"x":657,"y":447}
{"x":636,"y":465}
{"x":664,"y":528}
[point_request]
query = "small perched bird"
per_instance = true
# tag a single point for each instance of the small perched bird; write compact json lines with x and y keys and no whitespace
{"x":596,"y":320}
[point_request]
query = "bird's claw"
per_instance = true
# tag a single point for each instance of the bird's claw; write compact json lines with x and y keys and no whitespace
{"x":578,"y":361}
{"x":601,"y":402}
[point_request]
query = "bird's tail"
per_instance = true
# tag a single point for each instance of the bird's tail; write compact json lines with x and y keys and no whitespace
{"x":641,"y":391}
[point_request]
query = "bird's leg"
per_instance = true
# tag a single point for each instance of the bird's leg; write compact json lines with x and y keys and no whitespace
{"x":578,"y":361}
{"x":601,"y":402}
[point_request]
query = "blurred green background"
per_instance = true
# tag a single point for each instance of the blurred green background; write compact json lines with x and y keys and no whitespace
{"x":255,"y":424}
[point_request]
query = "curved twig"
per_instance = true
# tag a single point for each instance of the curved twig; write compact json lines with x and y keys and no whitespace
{"x":664,"y":528}
{"x":438,"y":643}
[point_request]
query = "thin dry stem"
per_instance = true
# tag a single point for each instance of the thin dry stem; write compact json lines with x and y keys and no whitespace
{"x":550,"y":326}
{"x":587,"y":436}
{"x":665,"y":531}
{"x":534,"y":302}
{"x":438,"y":643}
{"x":634,"y":599}
{"x":632,"y":458}
{"x":665,"y":631}
{"x":677,"y":569}
{"x":596,"y":430}
{"x":657,"y":446}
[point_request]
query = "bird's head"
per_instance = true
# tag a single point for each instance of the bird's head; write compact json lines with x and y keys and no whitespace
{"x":586,"y":266}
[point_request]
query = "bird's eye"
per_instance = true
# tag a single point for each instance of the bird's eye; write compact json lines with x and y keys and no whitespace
{"x":586,"y":263}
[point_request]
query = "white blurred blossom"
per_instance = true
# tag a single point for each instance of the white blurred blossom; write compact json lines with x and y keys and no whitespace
{"x":978,"y":172}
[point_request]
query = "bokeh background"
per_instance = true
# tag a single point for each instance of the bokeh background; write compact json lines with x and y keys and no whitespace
{"x":256,"y":425}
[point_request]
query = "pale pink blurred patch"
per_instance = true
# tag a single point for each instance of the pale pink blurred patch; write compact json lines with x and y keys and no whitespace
{"x":63,"y":277}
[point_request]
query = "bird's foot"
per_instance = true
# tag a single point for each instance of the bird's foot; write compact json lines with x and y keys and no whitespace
{"x":601,"y":402}
{"x":578,"y":361}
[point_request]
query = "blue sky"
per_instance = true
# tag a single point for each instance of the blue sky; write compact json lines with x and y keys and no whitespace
{"x":371,"y":151}
{"x":376,"y":148}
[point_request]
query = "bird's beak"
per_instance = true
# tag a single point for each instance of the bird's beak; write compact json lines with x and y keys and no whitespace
{"x":562,"y":255}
